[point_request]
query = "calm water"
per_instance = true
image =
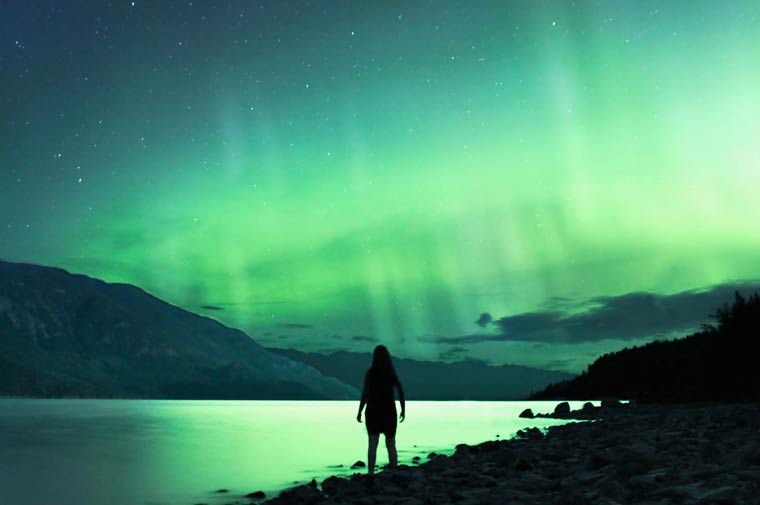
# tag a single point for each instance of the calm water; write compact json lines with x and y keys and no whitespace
{"x":133,"y":452}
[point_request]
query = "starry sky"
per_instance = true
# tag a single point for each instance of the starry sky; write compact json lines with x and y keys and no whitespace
{"x":519,"y":182}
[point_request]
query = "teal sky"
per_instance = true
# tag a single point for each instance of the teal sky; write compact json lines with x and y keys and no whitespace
{"x":334,"y":174}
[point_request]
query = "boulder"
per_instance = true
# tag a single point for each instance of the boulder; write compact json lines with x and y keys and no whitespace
{"x":611,"y":403}
{"x":358,"y":464}
{"x":588,"y":408}
{"x":523,"y":465}
{"x":530,"y":434}
{"x":409,"y":501}
{"x":750,"y":455}
{"x":642,"y":481}
{"x":721,"y":496}
{"x":303,"y":495}
{"x":562,"y":409}
{"x":256,"y":495}
{"x":688,"y":493}
{"x":598,"y":459}
{"x":527,"y":414}
{"x":503,"y":458}
{"x":437,"y":464}
{"x":613,"y":490}
{"x":332,"y":484}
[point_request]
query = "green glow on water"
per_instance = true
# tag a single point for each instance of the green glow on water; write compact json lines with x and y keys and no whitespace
{"x":127,"y":452}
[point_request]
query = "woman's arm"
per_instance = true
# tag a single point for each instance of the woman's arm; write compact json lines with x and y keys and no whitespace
{"x":363,"y":400}
{"x":401,"y":400}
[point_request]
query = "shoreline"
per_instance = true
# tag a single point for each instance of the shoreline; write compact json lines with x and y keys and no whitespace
{"x":664,"y":454}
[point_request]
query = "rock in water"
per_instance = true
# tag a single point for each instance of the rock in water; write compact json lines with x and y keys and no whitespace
{"x":358,"y":464}
{"x":332,"y":484}
{"x":530,"y":434}
{"x":562,"y":409}
{"x":303,"y":495}
{"x":588,"y":408}
{"x":256,"y":495}
{"x":527,"y":414}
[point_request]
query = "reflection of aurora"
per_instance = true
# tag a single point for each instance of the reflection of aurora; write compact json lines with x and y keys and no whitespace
{"x":181,"y":451}
{"x":395,"y":174}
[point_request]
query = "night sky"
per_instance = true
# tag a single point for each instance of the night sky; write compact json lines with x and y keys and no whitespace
{"x":522,"y":182}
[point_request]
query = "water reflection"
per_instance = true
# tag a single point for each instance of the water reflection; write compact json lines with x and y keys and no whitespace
{"x":127,"y":452}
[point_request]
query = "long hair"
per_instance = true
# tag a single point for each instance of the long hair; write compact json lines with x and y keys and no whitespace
{"x":381,"y":366}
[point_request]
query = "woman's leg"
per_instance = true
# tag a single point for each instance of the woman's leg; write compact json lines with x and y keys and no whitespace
{"x":374,"y":438}
{"x":390,"y":444}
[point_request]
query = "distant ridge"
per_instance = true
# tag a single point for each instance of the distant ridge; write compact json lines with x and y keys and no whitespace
{"x":718,"y":363}
{"x":432,"y":380}
{"x":70,"y":335}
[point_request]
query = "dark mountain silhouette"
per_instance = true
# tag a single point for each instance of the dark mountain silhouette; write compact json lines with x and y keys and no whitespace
{"x":719,"y":362}
{"x":429,"y":380}
{"x":71,"y":335}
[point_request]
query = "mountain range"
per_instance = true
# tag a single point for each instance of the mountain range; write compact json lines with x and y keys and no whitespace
{"x":70,"y":335}
{"x":432,"y":380}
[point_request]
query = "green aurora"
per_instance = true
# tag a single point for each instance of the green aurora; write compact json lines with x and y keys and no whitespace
{"x":320,"y":175}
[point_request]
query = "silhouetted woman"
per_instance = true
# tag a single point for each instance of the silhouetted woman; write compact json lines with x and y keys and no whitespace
{"x":377,"y":395}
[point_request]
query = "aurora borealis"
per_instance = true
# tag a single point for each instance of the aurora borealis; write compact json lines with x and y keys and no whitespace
{"x":325,"y":175}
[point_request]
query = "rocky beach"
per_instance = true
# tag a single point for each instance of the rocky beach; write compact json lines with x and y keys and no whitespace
{"x":649,"y":454}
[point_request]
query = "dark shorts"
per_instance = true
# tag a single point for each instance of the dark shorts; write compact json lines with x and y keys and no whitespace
{"x":381,"y":419}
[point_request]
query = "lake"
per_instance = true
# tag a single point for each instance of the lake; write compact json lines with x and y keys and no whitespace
{"x":150,"y":452}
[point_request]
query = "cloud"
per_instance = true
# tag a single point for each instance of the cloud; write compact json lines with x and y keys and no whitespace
{"x":453,"y":353}
{"x":562,"y":364}
{"x":211,"y":307}
{"x":484,"y":319}
{"x":627,"y":317}
{"x":363,"y":338}
{"x":296,"y":326}
{"x":472,"y":338}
